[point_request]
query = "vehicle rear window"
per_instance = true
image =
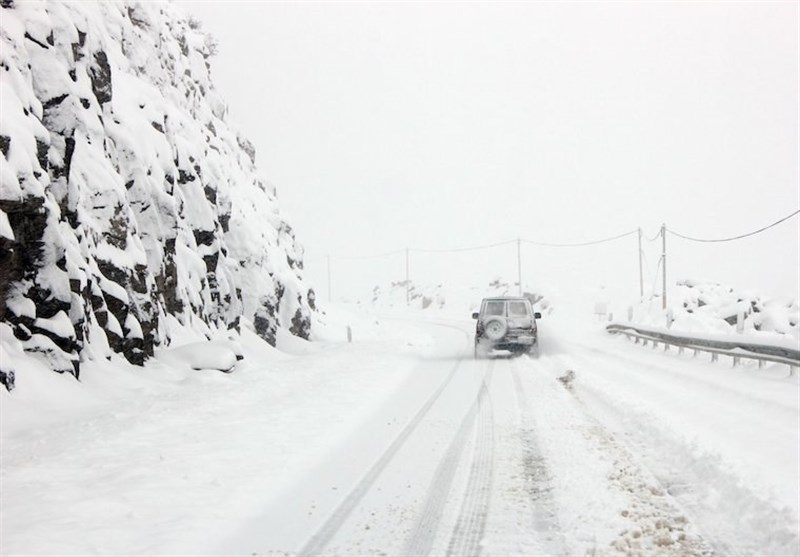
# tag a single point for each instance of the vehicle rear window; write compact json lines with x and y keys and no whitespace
{"x":494,"y":308}
{"x":517,"y":309}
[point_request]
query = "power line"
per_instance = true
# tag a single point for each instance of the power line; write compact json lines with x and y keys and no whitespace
{"x":374,"y":256}
{"x":739,"y":237}
{"x":655,"y":237}
{"x":579,"y":244}
{"x":471,"y":248}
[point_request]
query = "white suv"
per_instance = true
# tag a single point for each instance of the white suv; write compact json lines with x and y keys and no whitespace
{"x":506,"y":324}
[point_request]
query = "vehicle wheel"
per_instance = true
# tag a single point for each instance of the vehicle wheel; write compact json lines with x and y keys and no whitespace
{"x":533,"y":351}
{"x":495,"y":328}
{"x":477,"y":354}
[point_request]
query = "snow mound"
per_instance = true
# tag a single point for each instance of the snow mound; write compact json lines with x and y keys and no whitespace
{"x":212,"y":355}
{"x":709,"y":307}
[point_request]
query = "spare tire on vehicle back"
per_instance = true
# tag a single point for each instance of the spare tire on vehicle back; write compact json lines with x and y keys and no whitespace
{"x":495,"y":328}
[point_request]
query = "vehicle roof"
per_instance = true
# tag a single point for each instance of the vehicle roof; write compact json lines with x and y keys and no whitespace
{"x":506,"y":298}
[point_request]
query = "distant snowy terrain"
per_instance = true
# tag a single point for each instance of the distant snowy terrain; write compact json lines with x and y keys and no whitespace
{"x":129,"y":209}
{"x":694,"y":307}
{"x":451,"y":297}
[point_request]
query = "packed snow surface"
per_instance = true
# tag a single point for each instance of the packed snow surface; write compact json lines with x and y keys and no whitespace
{"x":401,"y":443}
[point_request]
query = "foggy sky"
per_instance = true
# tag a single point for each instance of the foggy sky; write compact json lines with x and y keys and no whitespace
{"x":436,"y":125}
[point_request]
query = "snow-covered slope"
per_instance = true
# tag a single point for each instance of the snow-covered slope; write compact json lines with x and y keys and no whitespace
{"x":128,"y":206}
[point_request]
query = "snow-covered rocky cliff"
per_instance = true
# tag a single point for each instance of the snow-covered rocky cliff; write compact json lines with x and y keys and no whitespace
{"x":128,"y":206}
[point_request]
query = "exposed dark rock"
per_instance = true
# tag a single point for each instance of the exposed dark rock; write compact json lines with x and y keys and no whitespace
{"x":204,"y":237}
{"x":248,"y":148}
{"x":301,"y":325}
{"x":211,"y":194}
{"x":117,"y":234}
{"x":77,"y":51}
{"x":100,"y":74}
{"x":41,"y":153}
{"x":265,"y":326}
{"x":47,"y":304}
{"x":40,"y":43}
{"x":184,"y":177}
{"x":55,"y":101}
{"x":5,"y":144}
{"x":7,"y":377}
{"x":167,"y":281}
{"x":22,"y":256}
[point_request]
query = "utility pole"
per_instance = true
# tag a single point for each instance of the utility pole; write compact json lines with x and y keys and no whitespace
{"x":664,"y":266}
{"x":408,"y":282}
{"x":519,"y":264}
{"x":641,"y":276}
{"x":329,"y":279}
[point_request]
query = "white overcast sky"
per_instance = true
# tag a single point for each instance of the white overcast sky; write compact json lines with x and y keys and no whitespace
{"x":386,"y":125}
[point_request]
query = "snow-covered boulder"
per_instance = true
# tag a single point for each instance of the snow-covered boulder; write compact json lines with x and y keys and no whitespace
{"x":125,"y":197}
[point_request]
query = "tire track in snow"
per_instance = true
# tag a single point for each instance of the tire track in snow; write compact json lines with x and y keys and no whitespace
{"x":545,"y":520}
{"x":471,"y":523}
{"x":317,"y":543}
{"x":423,"y":535}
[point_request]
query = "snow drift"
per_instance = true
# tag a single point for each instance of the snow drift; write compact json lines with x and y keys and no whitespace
{"x":125,"y":197}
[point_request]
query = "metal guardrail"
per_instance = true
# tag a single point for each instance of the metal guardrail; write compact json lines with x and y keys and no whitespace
{"x":735,"y":349}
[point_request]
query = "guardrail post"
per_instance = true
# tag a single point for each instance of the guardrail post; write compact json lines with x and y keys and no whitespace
{"x":666,"y":346}
{"x":680,"y":350}
{"x":655,"y":345}
{"x":760,"y":364}
{"x":695,"y":353}
{"x":735,"y":361}
{"x":714,"y":357}
{"x":644,"y":342}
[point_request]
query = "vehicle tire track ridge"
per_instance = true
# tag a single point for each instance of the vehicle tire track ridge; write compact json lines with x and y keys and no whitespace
{"x":316,"y":544}
{"x":471,"y":523}
{"x":423,"y":535}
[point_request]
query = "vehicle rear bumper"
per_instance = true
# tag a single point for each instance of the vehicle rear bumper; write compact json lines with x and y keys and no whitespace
{"x":509,"y":342}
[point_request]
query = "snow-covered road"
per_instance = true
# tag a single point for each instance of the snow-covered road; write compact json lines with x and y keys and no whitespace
{"x":402,"y":444}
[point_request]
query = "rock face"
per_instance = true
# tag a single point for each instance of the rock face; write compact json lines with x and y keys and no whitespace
{"x":128,"y":206}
